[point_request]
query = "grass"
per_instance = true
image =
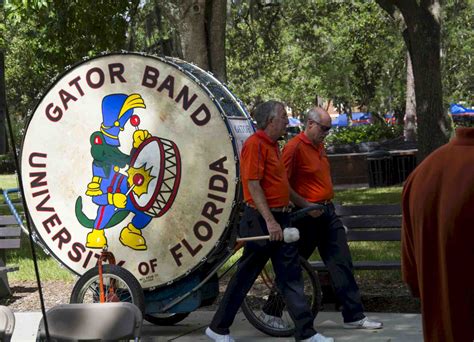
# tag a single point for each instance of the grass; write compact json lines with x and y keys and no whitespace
{"x":50,"y":269}
{"x":8,"y":181}
{"x":385,"y":195}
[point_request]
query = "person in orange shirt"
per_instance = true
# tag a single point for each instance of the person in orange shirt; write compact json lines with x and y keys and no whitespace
{"x":309,"y":175}
{"x":437,"y":238}
{"x":267,"y":196}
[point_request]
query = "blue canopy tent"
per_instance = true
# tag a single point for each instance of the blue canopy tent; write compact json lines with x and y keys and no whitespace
{"x":360,"y":118}
{"x":457,"y":109}
{"x":294,"y":122}
{"x":340,"y":120}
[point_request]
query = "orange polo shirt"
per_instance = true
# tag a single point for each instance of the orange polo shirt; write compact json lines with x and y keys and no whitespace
{"x":308,"y":169}
{"x":261,"y":160}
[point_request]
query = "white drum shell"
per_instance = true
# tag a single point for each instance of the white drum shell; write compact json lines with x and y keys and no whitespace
{"x":56,"y":165}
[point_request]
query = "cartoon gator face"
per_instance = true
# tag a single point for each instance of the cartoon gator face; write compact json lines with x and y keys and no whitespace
{"x":106,"y":155}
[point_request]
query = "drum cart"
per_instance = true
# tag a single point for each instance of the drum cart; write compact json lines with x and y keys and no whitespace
{"x":171,"y":304}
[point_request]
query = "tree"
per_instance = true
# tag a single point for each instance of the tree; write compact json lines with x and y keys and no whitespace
{"x":201,"y":27}
{"x":409,"y":130}
{"x":457,"y":51}
{"x":422,"y":37}
{"x":45,"y":37}
{"x":3,"y":105}
{"x":299,"y":50}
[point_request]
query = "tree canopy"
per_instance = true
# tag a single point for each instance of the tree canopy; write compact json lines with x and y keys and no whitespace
{"x":299,"y":51}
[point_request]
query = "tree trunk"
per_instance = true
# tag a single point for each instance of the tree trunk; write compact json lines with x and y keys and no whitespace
{"x":423,"y":28}
{"x":132,"y":27}
{"x":193,"y":32}
{"x":201,"y":25}
{"x":3,"y":107}
{"x":216,"y":13}
{"x":422,"y":38}
{"x":409,"y":128}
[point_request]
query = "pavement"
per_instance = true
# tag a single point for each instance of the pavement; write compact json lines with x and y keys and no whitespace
{"x":397,"y":327}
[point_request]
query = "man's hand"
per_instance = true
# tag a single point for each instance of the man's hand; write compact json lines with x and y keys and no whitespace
{"x":316,"y":213}
{"x":274,"y":229}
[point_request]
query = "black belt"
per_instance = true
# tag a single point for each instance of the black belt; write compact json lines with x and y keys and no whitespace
{"x":286,"y":209}
{"x":281,"y":209}
{"x":325,"y":202}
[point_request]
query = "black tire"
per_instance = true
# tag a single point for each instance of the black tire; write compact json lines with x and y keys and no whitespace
{"x":166,"y":319}
{"x":126,"y":287}
{"x":263,"y":292}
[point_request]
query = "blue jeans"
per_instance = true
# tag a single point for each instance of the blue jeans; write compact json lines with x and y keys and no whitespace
{"x":287,"y":268}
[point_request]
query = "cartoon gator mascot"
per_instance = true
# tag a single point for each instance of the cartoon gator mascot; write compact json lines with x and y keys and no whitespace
{"x":109,"y":188}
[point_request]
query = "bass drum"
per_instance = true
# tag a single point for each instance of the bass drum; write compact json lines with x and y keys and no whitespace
{"x":140,"y":155}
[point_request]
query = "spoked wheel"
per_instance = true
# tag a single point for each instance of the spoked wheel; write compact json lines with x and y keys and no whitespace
{"x":119,"y":286}
{"x":264,"y":306}
{"x":166,"y":318}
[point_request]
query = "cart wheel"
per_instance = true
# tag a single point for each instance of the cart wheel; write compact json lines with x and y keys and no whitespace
{"x":166,"y":318}
{"x":264,"y":293}
{"x":119,"y":286}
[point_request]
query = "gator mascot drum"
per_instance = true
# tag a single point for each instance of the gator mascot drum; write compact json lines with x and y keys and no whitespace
{"x":116,"y":194}
{"x":137,"y":154}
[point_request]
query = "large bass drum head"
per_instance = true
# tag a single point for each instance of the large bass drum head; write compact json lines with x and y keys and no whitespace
{"x":138,"y":154}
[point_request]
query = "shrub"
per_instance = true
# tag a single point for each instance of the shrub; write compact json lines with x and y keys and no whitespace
{"x":363,"y":133}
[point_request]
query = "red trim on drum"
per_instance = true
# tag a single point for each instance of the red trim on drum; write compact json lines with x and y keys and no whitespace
{"x":160,"y":176}
{"x":176,"y":182}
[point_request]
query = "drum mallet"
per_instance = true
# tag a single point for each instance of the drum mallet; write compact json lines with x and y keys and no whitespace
{"x":289,"y":235}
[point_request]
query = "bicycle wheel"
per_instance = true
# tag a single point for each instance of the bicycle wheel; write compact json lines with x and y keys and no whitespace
{"x":264,"y":294}
{"x":166,"y":319}
{"x":119,"y":286}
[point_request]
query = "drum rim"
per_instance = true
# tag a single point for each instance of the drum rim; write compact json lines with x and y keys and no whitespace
{"x":171,"y":61}
{"x":160,"y":176}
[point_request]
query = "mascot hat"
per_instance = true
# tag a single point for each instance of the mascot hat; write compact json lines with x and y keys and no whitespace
{"x":116,"y":111}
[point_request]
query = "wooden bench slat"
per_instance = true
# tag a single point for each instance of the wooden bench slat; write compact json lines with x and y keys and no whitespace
{"x":9,"y":243}
{"x":363,"y":265}
{"x":375,"y":235}
{"x":375,"y":209}
{"x":12,"y":268}
{"x":7,"y":220}
{"x":372,"y":222}
{"x":10,"y":232}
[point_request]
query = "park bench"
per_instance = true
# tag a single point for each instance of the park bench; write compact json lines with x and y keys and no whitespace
{"x":10,"y":236}
{"x":367,"y":223}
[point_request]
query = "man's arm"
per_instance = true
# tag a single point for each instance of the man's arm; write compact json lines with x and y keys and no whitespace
{"x":303,"y":203}
{"x":258,"y":196}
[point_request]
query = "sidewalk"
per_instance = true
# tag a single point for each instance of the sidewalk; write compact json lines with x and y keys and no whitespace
{"x":397,"y":328}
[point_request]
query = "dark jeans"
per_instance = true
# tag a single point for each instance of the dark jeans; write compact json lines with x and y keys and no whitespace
{"x":327,"y":233}
{"x":287,"y":268}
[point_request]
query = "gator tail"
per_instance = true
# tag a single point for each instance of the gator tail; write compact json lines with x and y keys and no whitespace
{"x":118,"y":217}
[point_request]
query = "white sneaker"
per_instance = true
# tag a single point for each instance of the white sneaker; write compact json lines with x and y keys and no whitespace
{"x":218,"y":337}
{"x":273,"y":321}
{"x":364,"y":323}
{"x":318,"y":338}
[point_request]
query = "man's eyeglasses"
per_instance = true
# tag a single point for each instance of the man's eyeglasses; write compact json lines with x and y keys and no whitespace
{"x":323,"y":127}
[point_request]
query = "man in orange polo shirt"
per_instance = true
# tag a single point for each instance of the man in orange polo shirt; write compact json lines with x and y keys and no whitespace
{"x":266,"y":195}
{"x":309,"y":175}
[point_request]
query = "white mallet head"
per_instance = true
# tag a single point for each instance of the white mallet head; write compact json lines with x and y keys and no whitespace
{"x":291,"y":234}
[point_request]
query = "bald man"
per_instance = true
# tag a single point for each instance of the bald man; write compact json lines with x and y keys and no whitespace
{"x":309,"y":174}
